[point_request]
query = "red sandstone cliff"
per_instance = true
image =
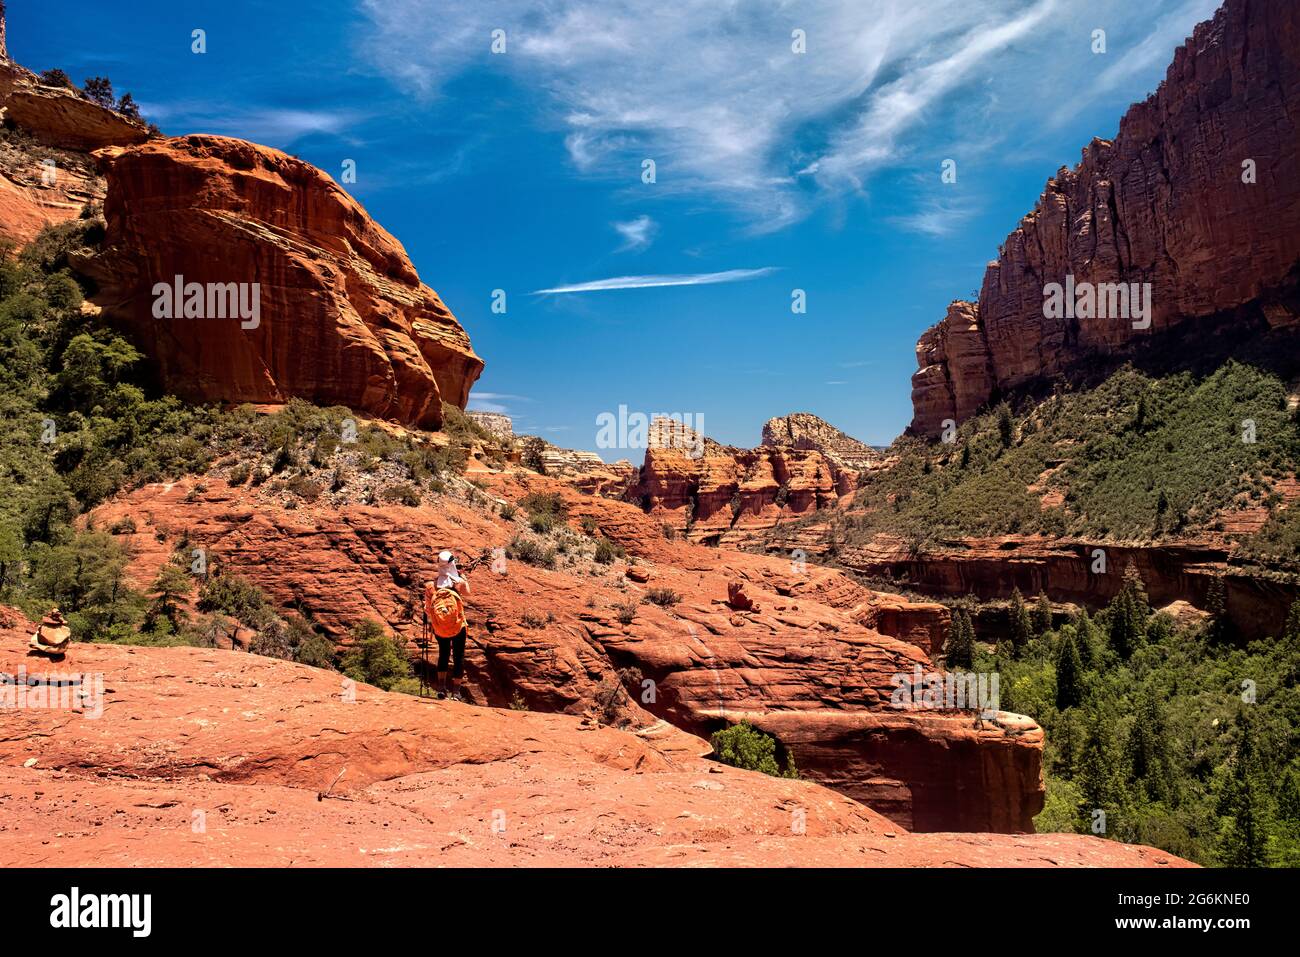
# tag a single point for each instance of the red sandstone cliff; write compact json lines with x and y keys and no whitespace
{"x":1163,"y":203}
{"x":344,"y":317}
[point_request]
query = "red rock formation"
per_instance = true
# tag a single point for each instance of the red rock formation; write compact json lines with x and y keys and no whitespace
{"x":344,"y":318}
{"x":62,"y":118}
{"x":251,"y":744}
{"x":1163,"y":203}
{"x":804,"y":649}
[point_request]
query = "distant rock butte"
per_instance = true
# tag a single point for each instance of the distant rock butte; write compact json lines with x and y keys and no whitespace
{"x":725,"y":495}
{"x":803,"y":430}
{"x":498,"y":423}
{"x":1163,"y":203}
{"x":344,"y":318}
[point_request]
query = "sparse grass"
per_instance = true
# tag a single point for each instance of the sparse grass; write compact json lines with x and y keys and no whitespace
{"x":663,"y":597}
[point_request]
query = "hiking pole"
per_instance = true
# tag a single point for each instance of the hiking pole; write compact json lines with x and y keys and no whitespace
{"x":424,"y":652}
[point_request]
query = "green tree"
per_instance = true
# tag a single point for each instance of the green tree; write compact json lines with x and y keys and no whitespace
{"x":1147,"y":749}
{"x":1246,"y":834}
{"x":1098,"y":779}
{"x":11,"y":556}
{"x":99,"y":90}
{"x":1006,"y":426}
{"x":1069,"y":674}
{"x":960,"y":652}
{"x":744,"y":746}
{"x":374,"y":657}
{"x":1021,"y":627}
{"x":1041,"y":618}
{"x":172,"y":585}
{"x":1219,"y":627}
{"x":1127,"y":615}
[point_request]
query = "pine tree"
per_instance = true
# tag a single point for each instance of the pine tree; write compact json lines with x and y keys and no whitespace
{"x":1292,"y":629}
{"x":99,"y":90}
{"x":1086,"y":640}
{"x":1021,"y":627}
{"x":1098,"y":767}
{"x":1069,"y":674}
{"x":1216,"y":603}
{"x":1147,"y":749}
{"x":1245,"y":840}
{"x":1042,"y":615}
{"x":1006,"y":427}
{"x":1128,"y":613}
{"x":172,"y":584}
{"x":960,"y":652}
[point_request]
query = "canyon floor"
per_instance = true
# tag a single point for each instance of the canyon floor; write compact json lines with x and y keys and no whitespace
{"x":218,"y":758}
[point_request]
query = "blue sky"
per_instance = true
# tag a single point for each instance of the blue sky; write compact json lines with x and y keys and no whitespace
{"x":775,"y":170}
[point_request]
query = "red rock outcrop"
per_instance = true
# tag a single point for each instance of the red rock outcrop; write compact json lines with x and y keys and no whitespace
{"x":1168,"y":202}
{"x":62,"y":118}
{"x":213,"y":758}
{"x":42,"y":189}
{"x":344,"y":319}
{"x":801,"y":663}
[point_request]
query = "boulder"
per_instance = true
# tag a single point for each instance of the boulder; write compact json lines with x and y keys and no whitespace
{"x":343,"y":317}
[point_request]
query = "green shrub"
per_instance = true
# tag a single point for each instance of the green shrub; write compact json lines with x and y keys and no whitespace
{"x":662,"y":596}
{"x":744,"y":746}
{"x":531,"y":552}
{"x":375,"y":658}
{"x":607,"y":551}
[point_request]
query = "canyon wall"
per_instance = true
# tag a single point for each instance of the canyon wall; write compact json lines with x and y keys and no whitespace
{"x":1198,"y":195}
{"x":991,"y":568}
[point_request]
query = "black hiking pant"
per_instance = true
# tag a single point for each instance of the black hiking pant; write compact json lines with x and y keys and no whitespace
{"x":449,"y":648}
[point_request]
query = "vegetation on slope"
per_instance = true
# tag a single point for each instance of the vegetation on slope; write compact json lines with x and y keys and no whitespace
{"x":1137,"y":457}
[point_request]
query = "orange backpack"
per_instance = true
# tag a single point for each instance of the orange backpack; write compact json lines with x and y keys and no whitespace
{"x":446,"y":611}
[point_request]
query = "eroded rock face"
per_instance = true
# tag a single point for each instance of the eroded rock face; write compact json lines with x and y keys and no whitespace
{"x":811,"y":658}
{"x":1164,"y":203}
{"x":409,"y":782}
{"x":718,"y":497}
{"x":1064,"y":570}
{"x":344,"y":319}
{"x":62,"y":118}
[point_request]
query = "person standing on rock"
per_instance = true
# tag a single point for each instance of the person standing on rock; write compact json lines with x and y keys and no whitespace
{"x":444,"y":604}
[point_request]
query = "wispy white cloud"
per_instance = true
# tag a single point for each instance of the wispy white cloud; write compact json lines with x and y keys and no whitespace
{"x":937,"y":215}
{"x":714,"y":93}
{"x":501,"y":402}
{"x":637,"y":233}
{"x":654,"y":282}
{"x":270,"y":125}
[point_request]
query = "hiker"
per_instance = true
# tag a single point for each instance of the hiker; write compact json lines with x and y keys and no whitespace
{"x":444,"y":604}
{"x":52,"y":636}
